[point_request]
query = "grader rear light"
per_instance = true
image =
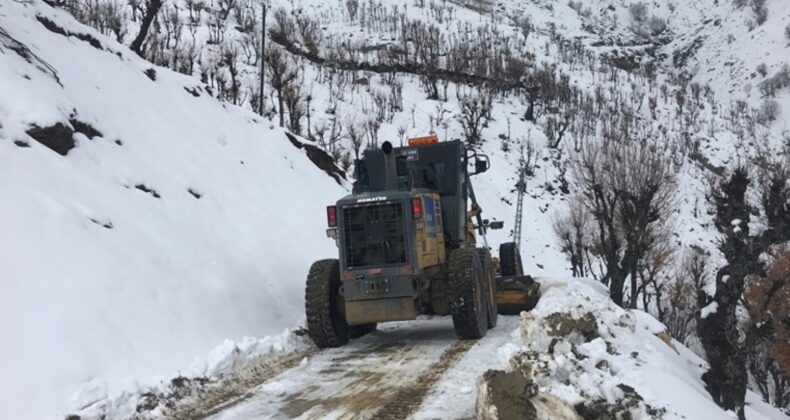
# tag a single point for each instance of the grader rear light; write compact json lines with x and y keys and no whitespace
{"x":331,"y":216}
{"x":421,"y":141}
{"x":416,"y":207}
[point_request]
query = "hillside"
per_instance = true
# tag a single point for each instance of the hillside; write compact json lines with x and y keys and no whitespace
{"x":171,"y":222}
{"x":704,"y":81}
{"x":169,"y":226}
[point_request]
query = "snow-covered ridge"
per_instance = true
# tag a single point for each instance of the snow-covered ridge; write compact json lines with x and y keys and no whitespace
{"x":157,"y":222}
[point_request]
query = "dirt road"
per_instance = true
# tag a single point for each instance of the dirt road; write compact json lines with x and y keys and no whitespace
{"x":403,"y":370}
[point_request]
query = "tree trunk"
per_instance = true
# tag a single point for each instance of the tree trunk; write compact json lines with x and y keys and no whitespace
{"x":280,"y":107}
{"x":151,"y":10}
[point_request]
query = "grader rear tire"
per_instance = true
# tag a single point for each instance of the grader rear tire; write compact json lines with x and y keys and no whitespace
{"x":510,"y":260}
{"x":468,"y":297}
{"x":326,"y":320}
{"x":489,"y":275}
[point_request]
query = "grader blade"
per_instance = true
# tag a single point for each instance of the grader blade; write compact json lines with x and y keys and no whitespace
{"x":516,"y":293}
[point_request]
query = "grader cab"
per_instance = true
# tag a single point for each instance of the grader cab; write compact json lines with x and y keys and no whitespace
{"x":407,"y":241}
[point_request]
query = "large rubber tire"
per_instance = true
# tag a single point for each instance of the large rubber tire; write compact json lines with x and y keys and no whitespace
{"x":489,"y":275}
{"x":468,"y":299}
{"x":361,"y":330}
{"x":510,"y":260}
{"x":326,"y":321}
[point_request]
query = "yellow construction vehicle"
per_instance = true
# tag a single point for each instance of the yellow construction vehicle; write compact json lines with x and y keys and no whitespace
{"x":408,"y":236}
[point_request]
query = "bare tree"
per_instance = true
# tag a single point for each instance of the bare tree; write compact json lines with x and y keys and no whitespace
{"x":627,"y":188}
{"x":151,"y":10}
{"x":294,"y":102}
{"x":280,"y":73}
{"x":356,"y":137}
{"x":475,"y":114}
{"x":572,"y":229}
{"x":680,"y":308}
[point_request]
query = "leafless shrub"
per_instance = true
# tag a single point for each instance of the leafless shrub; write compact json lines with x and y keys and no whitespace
{"x":573,"y":231}
{"x":760,"y":11}
{"x":770,"y":86}
{"x":106,"y":16}
{"x":309,"y":31}
{"x":475,"y":114}
{"x":769,"y":111}
{"x":762,"y":69}
{"x":656,"y":25}
{"x":638,"y":12}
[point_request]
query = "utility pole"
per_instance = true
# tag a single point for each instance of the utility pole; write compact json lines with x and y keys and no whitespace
{"x":263,"y":57}
{"x":521,"y":186}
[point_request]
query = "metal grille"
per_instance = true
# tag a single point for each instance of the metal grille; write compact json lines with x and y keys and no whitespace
{"x":374,"y":235}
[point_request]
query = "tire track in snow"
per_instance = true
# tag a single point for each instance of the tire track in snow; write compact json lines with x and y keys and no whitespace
{"x":409,"y":398}
{"x":235,"y":388}
{"x":385,"y":375}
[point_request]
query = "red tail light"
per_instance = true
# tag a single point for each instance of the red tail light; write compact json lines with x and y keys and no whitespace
{"x":331,"y":216}
{"x":416,"y":207}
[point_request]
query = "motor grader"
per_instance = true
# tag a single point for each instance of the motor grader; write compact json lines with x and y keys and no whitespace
{"x":407,"y":237}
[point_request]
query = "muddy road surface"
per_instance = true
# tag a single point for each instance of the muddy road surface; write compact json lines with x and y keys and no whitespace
{"x":403,"y":370}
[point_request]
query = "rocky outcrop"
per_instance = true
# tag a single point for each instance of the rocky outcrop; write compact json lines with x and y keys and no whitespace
{"x":513,"y":396}
{"x":58,"y":137}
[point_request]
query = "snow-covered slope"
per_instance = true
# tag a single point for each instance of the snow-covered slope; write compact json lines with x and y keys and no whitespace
{"x":609,"y":362}
{"x":101,"y":279}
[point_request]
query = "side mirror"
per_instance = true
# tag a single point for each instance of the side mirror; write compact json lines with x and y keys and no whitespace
{"x":496,"y":224}
{"x":481,"y":164}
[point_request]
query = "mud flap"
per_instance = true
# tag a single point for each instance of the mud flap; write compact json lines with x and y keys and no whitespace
{"x":380,"y":310}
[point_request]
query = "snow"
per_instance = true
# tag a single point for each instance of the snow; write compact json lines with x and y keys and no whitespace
{"x":174,"y":276}
{"x":113,"y":310}
{"x":226,"y":363}
{"x":708,"y":309}
{"x":627,"y":351}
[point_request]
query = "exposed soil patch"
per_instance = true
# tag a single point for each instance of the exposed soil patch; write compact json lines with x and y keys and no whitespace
{"x":193,"y":398}
{"x":58,"y":137}
{"x":82,"y":127}
{"x":144,"y":188}
{"x":53,"y":27}
{"x":320,"y":158}
{"x":409,"y":397}
{"x":193,"y":91}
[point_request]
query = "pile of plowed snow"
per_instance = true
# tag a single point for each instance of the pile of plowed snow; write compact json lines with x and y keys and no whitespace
{"x":580,"y":356}
{"x":142,"y":222}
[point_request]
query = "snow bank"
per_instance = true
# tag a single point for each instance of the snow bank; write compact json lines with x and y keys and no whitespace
{"x":579,"y":346}
{"x":228,"y":372}
{"x":183,"y":222}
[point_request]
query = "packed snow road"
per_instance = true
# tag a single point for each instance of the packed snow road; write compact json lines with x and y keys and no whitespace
{"x":403,"y":370}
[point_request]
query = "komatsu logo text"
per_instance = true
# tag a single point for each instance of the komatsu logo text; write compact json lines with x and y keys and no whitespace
{"x":371,"y":199}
